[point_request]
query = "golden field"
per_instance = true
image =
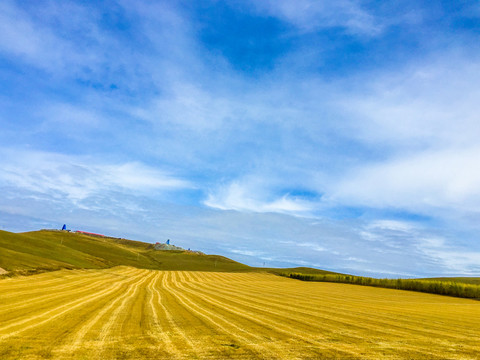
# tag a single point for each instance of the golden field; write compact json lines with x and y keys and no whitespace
{"x":125,"y":312}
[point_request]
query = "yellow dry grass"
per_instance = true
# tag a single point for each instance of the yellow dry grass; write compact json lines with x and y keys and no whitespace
{"x":143,"y":314}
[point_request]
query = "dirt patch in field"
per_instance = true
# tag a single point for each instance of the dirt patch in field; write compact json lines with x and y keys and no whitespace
{"x":3,"y":271}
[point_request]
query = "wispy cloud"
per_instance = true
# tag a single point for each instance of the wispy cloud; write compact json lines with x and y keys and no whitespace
{"x":428,"y":182}
{"x":240,"y":197}
{"x":31,"y":37}
{"x":308,"y":15}
{"x":419,"y":104}
{"x":76,"y":178}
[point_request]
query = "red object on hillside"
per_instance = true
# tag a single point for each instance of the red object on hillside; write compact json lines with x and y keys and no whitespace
{"x":88,"y":233}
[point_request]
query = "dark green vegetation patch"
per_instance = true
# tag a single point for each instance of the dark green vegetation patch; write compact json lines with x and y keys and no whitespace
{"x":457,"y":287}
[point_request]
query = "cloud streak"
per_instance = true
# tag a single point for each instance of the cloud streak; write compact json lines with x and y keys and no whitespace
{"x":237,"y":197}
{"x":77,"y":178}
{"x":309,"y":16}
{"x":427,"y":181}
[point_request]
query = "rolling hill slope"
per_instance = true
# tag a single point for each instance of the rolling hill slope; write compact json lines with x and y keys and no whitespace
{"x":47,"y":250}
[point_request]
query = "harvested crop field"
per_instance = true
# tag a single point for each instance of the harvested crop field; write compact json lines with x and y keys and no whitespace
{"x":126,"y":312}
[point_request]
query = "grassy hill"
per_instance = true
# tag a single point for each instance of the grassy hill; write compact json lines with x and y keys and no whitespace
{"x":47,"y":250}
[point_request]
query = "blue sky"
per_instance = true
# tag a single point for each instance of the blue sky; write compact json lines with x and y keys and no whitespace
{"x":341,"y":135}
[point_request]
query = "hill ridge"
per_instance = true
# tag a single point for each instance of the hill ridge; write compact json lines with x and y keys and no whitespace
{"x":47,"y":250}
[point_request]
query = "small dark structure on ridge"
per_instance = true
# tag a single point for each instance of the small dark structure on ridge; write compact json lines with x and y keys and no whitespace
{"x":167,"y":246}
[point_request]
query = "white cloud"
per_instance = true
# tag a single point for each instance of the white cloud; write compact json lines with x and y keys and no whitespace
{"x":77,"y":178}
{"x":189,"y":107}
{"x":452,"y":259}
{"x":355,"y":259}
{"x":248,"y":197}
{"x":424,"y":248}
{"x":312,"y":246}
{"x":394,"y":225}
{"x":432,"y":103}
{"x":310,"y":15}
{"x":137,"y":176}
{"x":247,"y":252}
{"x":39,"y":44}
{"x":421,"y":182}
{"x":20,"y":37}
{"x":466,"y":263}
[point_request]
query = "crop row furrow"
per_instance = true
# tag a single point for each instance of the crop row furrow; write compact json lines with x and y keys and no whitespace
{"x":266,"y":332}
{"x":40,"y":287}
{"x":128,"y":297}
{"x":307,"y":323}
{"x":273,"y":321}
{"x":225,"y":326}
{"x":142,"y":314}
{"x":46,"y":279}
{"x":175,"y":330}
{"x":65,"y":282}
{"x":18,"y":314}
{"x":156,"y":332}
{"x":380,"y":322}
{"x":389,"y":318}
{"x":270,"y":323}
{"x":14,"y":309}
{"x":77,"y":339}
{"x":56,"y":312}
